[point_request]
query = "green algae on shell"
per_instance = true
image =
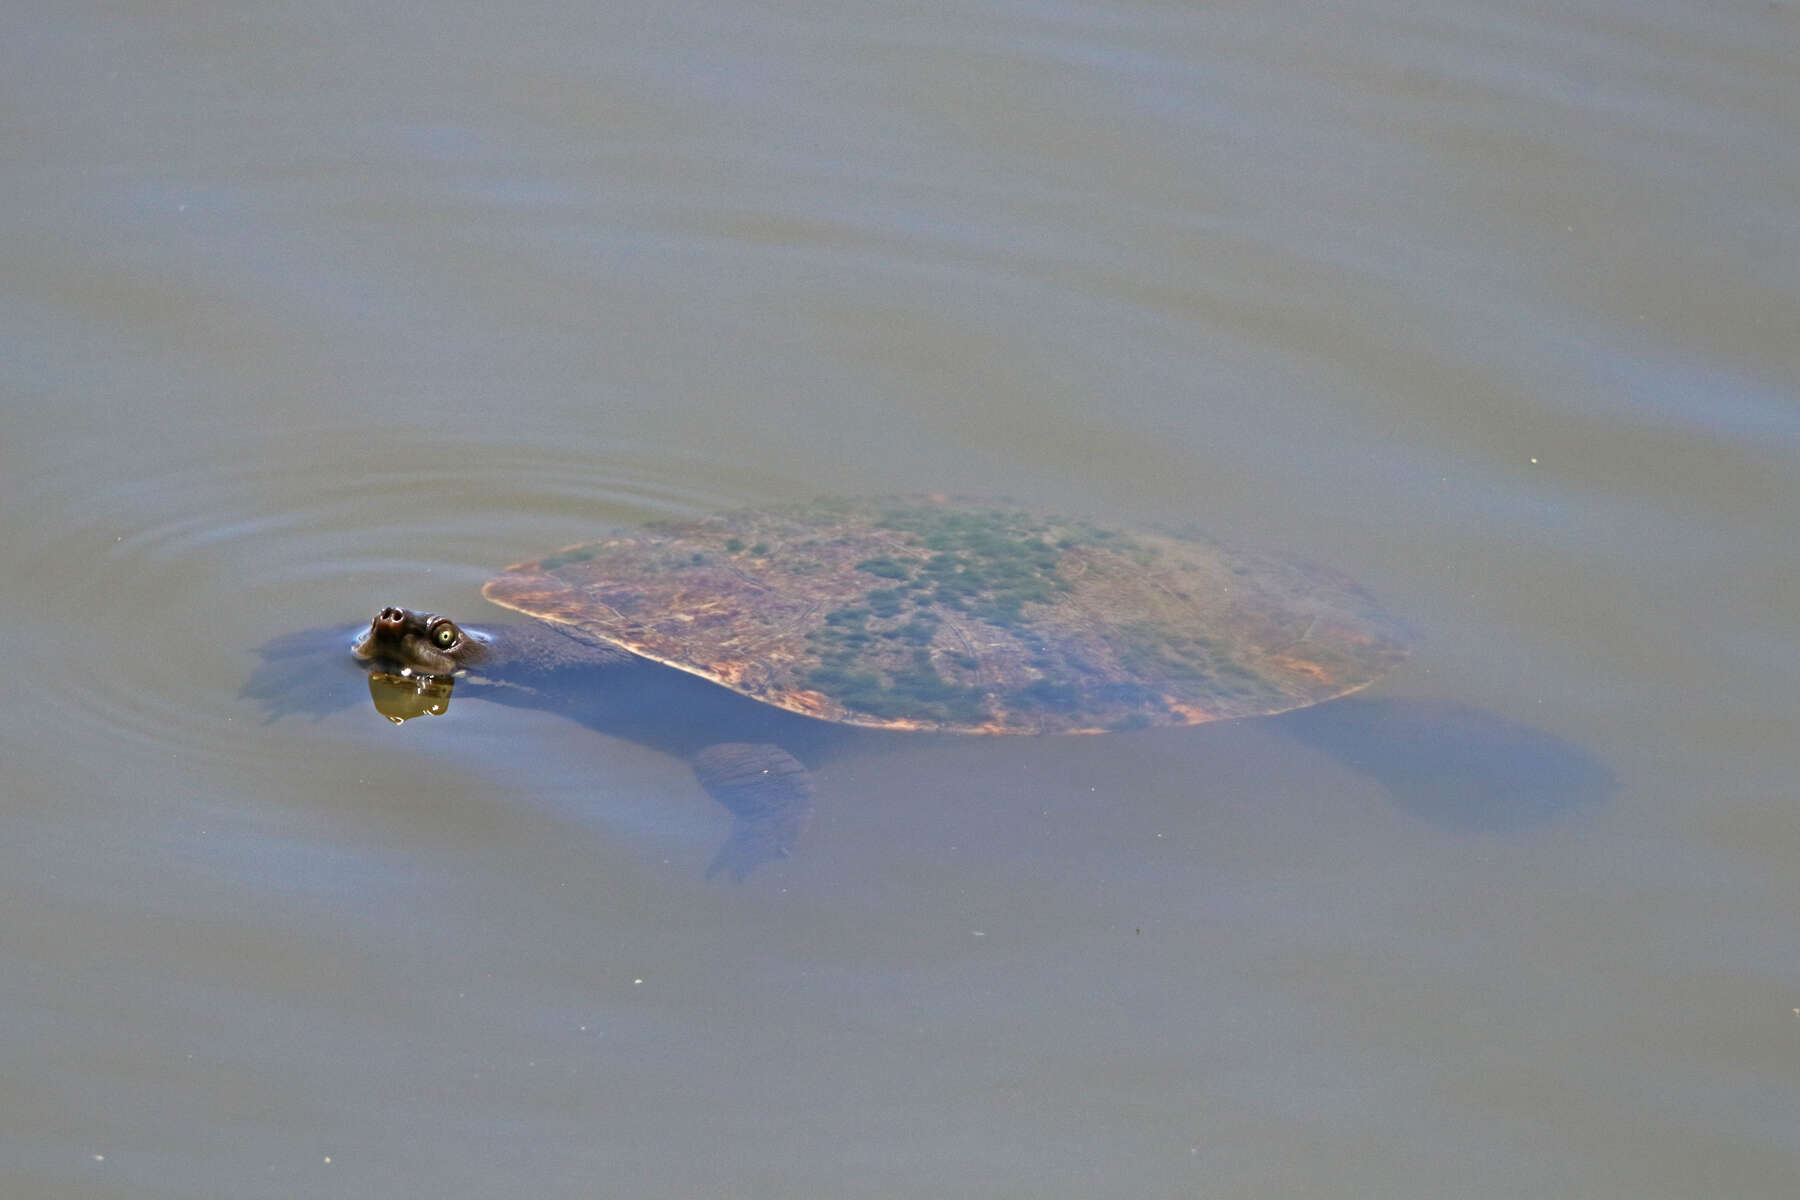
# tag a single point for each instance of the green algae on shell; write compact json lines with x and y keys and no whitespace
{"x":917,"y":613}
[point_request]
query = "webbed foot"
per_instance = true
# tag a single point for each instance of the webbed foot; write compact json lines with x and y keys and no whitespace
{"x":308,"y":674}
{"x":769,"y":793}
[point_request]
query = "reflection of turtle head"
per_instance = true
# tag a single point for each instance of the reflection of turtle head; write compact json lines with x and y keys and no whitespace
{"x":400,"y":698}
{"x":419,"y":643}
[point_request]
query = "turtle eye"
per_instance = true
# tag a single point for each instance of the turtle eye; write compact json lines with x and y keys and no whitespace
{"x":444,"y":635}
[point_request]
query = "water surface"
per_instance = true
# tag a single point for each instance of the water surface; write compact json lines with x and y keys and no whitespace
{"x":308,"y":310}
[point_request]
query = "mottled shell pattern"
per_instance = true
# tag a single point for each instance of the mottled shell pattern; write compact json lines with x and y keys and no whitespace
{"x":918,"y":613}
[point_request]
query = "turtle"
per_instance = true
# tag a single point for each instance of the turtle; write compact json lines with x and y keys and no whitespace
{"x":755,"y":643}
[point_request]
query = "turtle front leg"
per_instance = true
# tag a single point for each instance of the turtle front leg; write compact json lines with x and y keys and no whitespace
{"x":310,"y":674}
{"x":769,"y":794}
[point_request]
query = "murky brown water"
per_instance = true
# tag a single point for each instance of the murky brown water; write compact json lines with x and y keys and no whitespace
{"x":309,"y":309}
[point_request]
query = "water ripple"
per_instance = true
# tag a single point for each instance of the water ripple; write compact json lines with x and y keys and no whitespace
{"x":179,"y":575}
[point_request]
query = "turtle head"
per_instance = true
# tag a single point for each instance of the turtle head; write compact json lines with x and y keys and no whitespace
{"x":418,"y":643}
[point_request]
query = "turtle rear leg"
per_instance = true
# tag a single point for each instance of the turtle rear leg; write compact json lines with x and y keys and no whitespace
{"x":769,"y":794}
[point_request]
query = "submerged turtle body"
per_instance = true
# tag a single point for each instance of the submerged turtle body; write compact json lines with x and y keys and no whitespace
{"x":937,"y":615}
{"x":788,"y":629}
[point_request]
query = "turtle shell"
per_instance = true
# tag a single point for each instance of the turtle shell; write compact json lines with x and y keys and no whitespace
{"x":941,"y":615}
